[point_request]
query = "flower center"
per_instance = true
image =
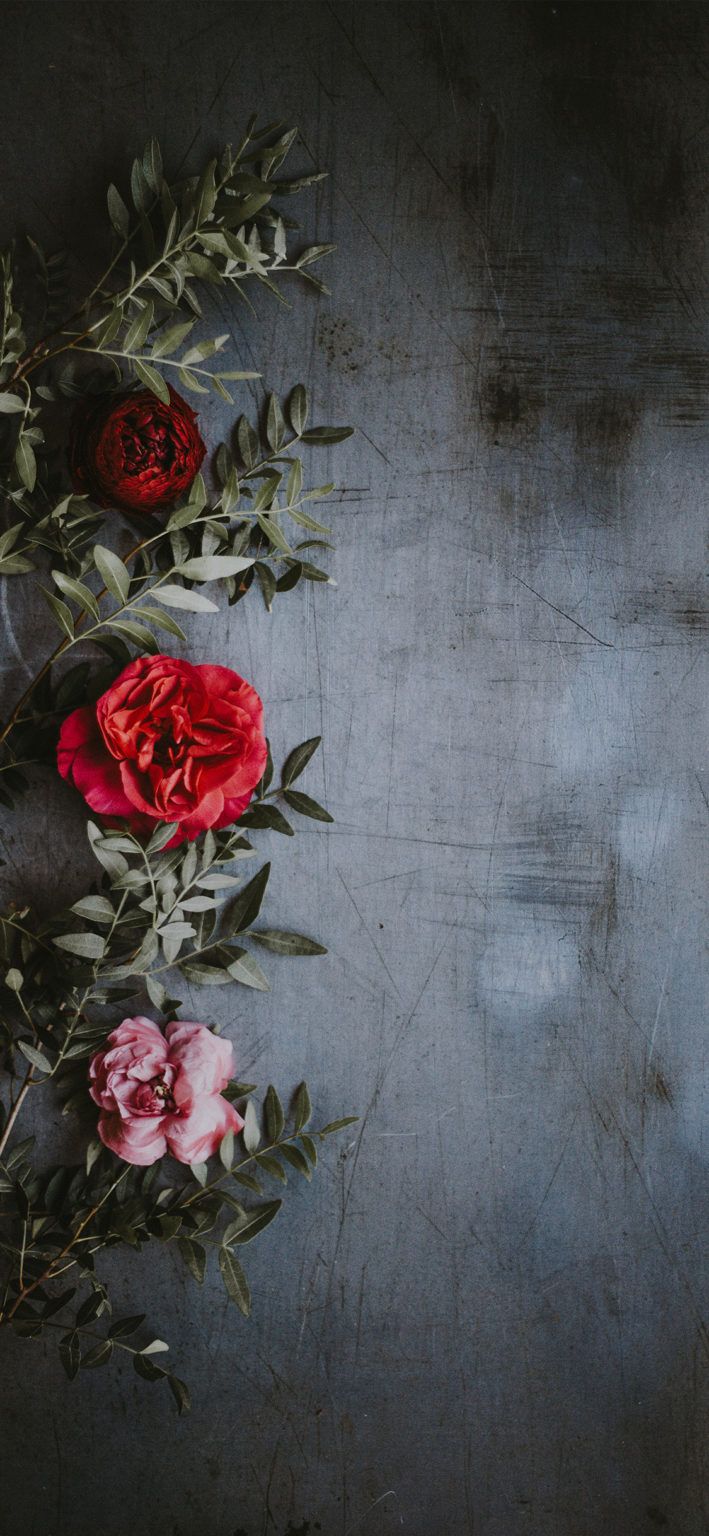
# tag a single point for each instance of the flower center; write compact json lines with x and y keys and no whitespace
{"x":163,"y":1093}
{"x":146,"y":446}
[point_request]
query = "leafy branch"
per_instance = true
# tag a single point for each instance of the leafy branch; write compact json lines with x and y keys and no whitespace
{"x":218,"y":229}
{"x":236,"y":538}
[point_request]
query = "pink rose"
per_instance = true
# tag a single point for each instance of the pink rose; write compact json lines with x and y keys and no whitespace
{"x":163,"y":1093}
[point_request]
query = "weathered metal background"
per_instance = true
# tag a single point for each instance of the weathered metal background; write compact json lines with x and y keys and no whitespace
{"x":485,"y":1317}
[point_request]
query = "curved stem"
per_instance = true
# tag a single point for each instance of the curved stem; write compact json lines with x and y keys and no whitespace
{"x":14,"y":1112}
{"x":49,"y":1272}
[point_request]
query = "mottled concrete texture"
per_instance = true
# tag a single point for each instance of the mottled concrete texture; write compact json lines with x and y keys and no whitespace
{"x":485,"y":1316}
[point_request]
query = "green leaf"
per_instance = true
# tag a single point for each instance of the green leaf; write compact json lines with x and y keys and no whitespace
{"x":14,"y":979}
{"x":112,"y":571}
{"x":152,"y":165}
{"x":96,"y":909}
{"x":37,"y":1058}
{"x":309,"y":1148}
{"x":296,"y":1159}
{"x":251,"y":1132}
{"x":267,"y":582}
{"x":180,"y":1393}
{"x":275,"y":425}
{"x":327,"y":434}
{"x":246,"y":970}
{"x":302,"y":1108}
{"x":213,"y":567}
{"x":254,"y":1222}
{"x":161,"y":621}
{"x":140,"y":191}
{"x":139,"y":329}
{"x":15,"y":565}
{"x":169,"y":340}
{"x":314,"y":253}
{"x":70,"y":1354}
{"x":273,"y":1113}
{"x":135,"y":632}
{"x":9,"y":538}
{"x":124,"y":1326}
{"x":153,"y":380}
{"x":178,"y":597}
{"x":226,"y":1150}
{"x":206,"y":195}
{"x":161,"y":836}
{"x":267,"y":816}
{"x":245,"y":907}
{"x":99,"y":1354}
{"x":248,"y":442}
{"x":88,"y":946}
{"x":156,"y":1347}
{"x":205,"y":975}
{"x":294,"y":483}
{"x":338,"y":1125}
{"x":268,"y":525}
{"x":147,"y":1369}
{"x":10,"y":404}
{"x":235,"y":1281}
{"x":298,"y":760}
{"x":306,"y":806}
{"x":117,"y":211}
{"x":298,"y":408}
{"x":272,"y":1166}
{"x":156,"y":992}
{"x":282,"y":943}
{"x":77,"y":591}
{"x":26,"y":463}
{"x":62,"y":613}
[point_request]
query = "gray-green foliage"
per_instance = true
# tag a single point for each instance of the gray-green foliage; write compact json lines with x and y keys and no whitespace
{"x":114,"y":605}
{"x":54,"y":1223}
{"x":221,"y":229}
{"x":158,"y":916}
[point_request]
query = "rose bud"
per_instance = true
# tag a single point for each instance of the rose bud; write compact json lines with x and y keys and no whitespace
{"x":167,"y":742}
{"x":133,"y":452}
{"x":163,"y":1093}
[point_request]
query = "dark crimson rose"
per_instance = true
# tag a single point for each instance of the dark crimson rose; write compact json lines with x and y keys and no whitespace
{"x":167,"y":742}
{"x":131,"y":451}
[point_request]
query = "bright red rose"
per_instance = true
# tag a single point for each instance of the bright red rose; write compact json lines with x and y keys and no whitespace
{"x":167,"y":742}
{"x":131,"y":451}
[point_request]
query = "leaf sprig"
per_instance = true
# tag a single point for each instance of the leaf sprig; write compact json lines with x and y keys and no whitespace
{"x":218,"y":229}
{"x":54,"y":1224}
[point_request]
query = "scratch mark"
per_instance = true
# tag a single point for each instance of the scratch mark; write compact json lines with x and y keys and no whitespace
{"x":548,"y":1189}
{"x":607,"y":643}
{"x":372,"y":940}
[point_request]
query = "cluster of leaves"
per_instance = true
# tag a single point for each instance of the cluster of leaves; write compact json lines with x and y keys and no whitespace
{"x":157,"y":912}
{"x":124,"y":604}
{"x":54,"y":1224}
{"x":219,"y":228}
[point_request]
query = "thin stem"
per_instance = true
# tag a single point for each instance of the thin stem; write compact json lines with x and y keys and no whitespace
{"x":17,"y":1106}
{"x":65,"y":644}
{"x":237,"y":1167}
{"x":49,"y":1272}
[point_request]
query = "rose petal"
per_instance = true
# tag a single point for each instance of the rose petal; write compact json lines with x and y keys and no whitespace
{"x":204,"y":1060}
{"x":195,"y":1137}
{"x":141,"y":1141}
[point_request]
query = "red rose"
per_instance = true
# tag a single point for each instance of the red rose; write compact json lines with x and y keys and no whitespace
{"x":167,"y":742}
{"x":131,"y":451}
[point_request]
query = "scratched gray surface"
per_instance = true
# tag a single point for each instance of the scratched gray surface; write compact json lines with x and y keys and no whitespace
{"x":485,"y":1317}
